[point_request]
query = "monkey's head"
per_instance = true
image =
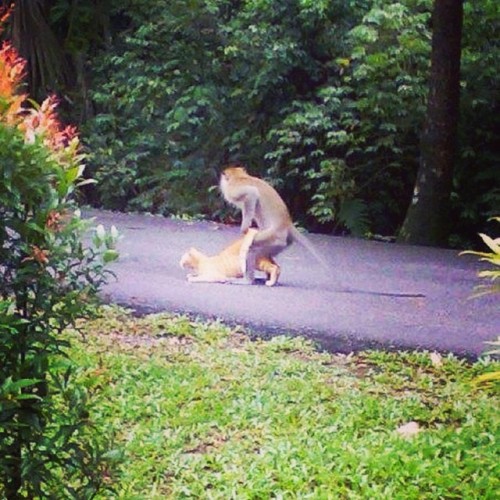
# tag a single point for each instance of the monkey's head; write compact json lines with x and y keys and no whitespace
{"x":234,"y":172}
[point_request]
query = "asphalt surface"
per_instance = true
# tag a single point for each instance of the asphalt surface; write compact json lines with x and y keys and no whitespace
{"x":378,"y":295}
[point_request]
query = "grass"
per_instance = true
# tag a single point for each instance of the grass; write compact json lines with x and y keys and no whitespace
{"x":198,"y":410}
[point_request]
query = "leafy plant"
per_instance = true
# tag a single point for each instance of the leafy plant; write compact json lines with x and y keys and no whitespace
{"x":493,"y":257}
{"x":491,"y":377}
{"x":49,"y":278}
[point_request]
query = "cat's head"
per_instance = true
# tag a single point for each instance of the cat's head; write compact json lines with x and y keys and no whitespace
{"x":191,"y":259}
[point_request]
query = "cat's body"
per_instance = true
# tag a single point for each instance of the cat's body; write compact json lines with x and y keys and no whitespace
{"x":228,"y":264}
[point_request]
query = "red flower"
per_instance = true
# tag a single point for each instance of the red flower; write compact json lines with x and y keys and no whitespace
{"x":53,"y":221}
{"x":12,"y":71}
{"x":42,"y":122}
{"x":12,"y":68}
{"x":38,"y":255}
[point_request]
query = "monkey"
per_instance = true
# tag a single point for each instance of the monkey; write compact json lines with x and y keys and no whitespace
{"x":259,"y":202}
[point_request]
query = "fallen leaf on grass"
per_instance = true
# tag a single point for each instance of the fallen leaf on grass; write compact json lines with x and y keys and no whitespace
{"x":436,"y":359}
{"x":408,"y":430}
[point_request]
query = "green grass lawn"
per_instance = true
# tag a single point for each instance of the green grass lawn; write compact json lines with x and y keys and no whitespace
{"x":199,"y":410}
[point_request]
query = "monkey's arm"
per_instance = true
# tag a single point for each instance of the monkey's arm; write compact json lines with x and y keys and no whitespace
{"x":250,"y":198}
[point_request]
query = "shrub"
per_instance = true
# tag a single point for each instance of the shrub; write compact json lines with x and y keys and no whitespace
{"x":48,"y":278}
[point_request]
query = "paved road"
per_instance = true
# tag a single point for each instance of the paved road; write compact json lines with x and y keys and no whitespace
{"x":379,"y":294}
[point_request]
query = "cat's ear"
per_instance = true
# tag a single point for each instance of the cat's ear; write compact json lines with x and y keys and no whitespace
{"x":194,"y":252}
{"x":185,"y":259}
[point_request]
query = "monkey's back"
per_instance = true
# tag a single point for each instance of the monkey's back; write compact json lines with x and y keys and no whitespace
{"x":271,"y":210}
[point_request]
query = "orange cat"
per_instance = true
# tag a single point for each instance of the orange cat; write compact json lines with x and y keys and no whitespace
{"x":228,"y":263}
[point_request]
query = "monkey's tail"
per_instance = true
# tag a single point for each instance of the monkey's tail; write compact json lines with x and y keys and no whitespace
{"x":304,"y":241}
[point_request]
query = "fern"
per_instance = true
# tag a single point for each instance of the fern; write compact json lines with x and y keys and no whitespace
{"x":353,"y":214}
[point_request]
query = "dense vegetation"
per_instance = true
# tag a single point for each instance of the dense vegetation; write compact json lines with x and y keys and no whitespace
{"x":326,"y":98}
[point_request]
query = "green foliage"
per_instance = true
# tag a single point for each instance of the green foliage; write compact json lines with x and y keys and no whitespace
{"x":200,"y":410}
{"x":492,"y":275}
{"x":476,"y":194}
{"x":313,"y":143}
{"x":308,"y":93}
{"x":493,"y":257}
{"x":326,"y":99}
{"x":49,"y":278}
{"x":155,"y":107}
{"x":359,"y":135}
{"x":170,"y":118}
{"x":489,"y":379}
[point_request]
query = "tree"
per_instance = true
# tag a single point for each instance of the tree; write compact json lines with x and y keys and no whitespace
{"x":36,"y":42}
{"x":427,"y":219}
{"x":55,"y":38}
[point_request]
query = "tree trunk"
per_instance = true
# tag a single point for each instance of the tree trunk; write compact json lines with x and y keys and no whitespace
{"x":428,"y":217}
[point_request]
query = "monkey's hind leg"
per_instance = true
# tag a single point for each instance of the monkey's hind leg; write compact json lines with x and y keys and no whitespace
{"x":274,"y":272}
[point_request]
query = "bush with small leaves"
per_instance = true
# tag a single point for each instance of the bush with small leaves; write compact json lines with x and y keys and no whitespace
{"x":49,"y":278}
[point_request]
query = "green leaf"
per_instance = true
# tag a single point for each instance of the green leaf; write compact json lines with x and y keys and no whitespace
{"x":110,"y":255}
